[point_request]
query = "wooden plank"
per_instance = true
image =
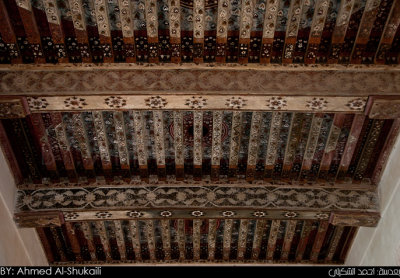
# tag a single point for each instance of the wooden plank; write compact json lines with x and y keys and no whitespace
{"x":159,"y":144}
{"x":272,"y":146}
{"x":243,"y":230}
{"x":119,"y":236}
{"x":198,"y":30}
{"x":45,"y":242}
{"x":291,"y":146}
{"x":71,"y":234}
{"x":255,"y":130}
{"x":334,"y":243}
{"x":103,"y":26}
{"x":152,"y":29}
{"x":292,"y":30}
{"x":197,"y":144}
{"x":196,"y":238}
{"x":166,"y":238}
{"x":319,"y":240}
{"x":259,"y":230}
{"x":269,"y":30}
{"x":179,"y":147}
{"x":246,"y":22}
{"x":103,"y":144}
{"x":212,"y":235}
{"x":236,"y":132}
{"x":101,"y":230}
{"x":181,"y":238}
{"x":126,"y":16}
{"x":141,"y":146}
{"x":272,"y":239}
{"x":58,"y":242}
{"x":87,"y":232}
{"x":122,"y":144}
{"x":227,"y":239}
{"x":149,"y":231}
{"x":8,"y":35}
{"x":175,"y":29}
{"x":287,"y":242}
{"x":216,"y":144}
{"x":305,"y":233}
{"x":134,"y":235}
{"x":222,"y":30}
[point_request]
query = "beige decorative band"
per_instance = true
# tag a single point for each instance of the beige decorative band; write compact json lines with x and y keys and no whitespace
{"x":189,"y":102}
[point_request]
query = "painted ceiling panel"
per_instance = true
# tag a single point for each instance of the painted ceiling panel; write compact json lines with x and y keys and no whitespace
{"x":277,"y":31}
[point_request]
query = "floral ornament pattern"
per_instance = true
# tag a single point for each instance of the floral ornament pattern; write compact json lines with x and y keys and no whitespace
{"x":197,"y":213}
{"x":228,"y":213}
{"x":290,"y":214}
{"x":196,"y":102}
{"x":235,"y":102}
{"x":37,"y":103}
{"x":322,"y":216}
{"x":259,"y":214}
{"x":357,"y":104}
{"x":75,"y":102}
{"x":317,"y":103}
{"x":103,"y":214}
{"x":166,"y":213}
{"x":156,"y":102}
{"x":71,"y":216}
{"x":276,"y":103}
{"x":134,"y":214}
{"x":115,"y":101}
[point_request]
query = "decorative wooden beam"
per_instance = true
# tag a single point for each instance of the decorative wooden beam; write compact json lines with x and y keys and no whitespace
{"x":39,"y":219}
{"x":46,"y":244}
{"x":13,"y":108}
{"x":196,"y":238}
{"x":273,"y":142}
{"x":57,"y":34}
{"x":305,"y":234}
{"x":198,"y":30}
{"x":364,"y":30}
{"x":222,"y":29}
{"x":294,"y":18}
{"x":339,"y":218}
{"x":246,"y":22}
{"x":159,"y":143}
{"x":197,"y":144}
{"x":243,"y":230}
{"x":216,"y":144}
{"x":291,"y":146}
{"x":76,"y":249}
{"x":253,"y":145}
{"x":227,"y":238}
{"x":119,"y":236}
{"x":319,"y":240}
{"x":259,"y":230}
{"x":339,"y":33}
{"x":102,"y":232}
{"x":334,"y":243}
{"x":102,"y":141}
{"x":152,"y":29}
{"x":103,"y":27}
{"x":271,"y":12}
{"x":272,"y":239}
{"x":386,"y":107}
{"x":8,"y":36}
{"x":289,"y":233}
{"x":175,"y":29}
{"x":235,"y":144}
{"x":135,"y":239}
{"x":88,"y":234}
{"x":59,"y":245}
{"x":126,"y":13}
{"x":317,"y":26}
{"x":78,"y":18}
{"x":385,"y":43}
{"x":181,"y":238}
{"x":149,"y":232}
{"x":122,"y":144}
{"x":178,"y":142}
{"x":141,"y":146}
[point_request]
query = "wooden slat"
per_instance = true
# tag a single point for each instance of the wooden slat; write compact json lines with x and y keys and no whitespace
{"x":212,"y":235}
{"x":216,"y":144}
{"x":102,"y":142}
{"x":71,"y":234}
{"x":246,"y":22}
{"x":385,"y":43}
{"x":101,"y":230}
{"x":319,"y":240}
{"x":103,"y":26}
{"x":339,"y":33}
{"x":227,"y":238}
{"x":181,"y":238}
{"x":197,"y":144}
{"x":87,"y":232}
{"x":58,"y":242}
{"x":175,"y":30}
{"x":119,"y":236}
{"x":179,"y":147}
{"x":149,"y":231}
{"x":291,"y":146}
{"x":152,"y":29}
{"x":126,"y":16}
{"x":259,"y":230}
{"x":317,"y":26}
{"x":78,"y":18}
{"x":134,"y":235}
{"x":222,"y":30}
{"x":255,"y":130}
{"x":294,"y":18}
{"x":8,"y":35}
{"x":243,"y":230}
{"x":287,"y":242}
{"x":196,"y":238}
{"x":31,"y":29}
{"x":46,"y":244}
{"x":198,"y":30}
{"x":273,"y":141}
{"x":305,"y":233}
{"x":236,"y":132}
{"x":159,"y":143}
{"x":122,"y":144}
{"x":334,"y":243}
{"x":272,"y":239}
{"x":364,"y":30}
{"x":166,"y":238}
{"x":141,"y":145}
{"x":270,"y":16}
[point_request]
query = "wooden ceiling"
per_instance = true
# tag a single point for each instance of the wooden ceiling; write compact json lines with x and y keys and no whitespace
{"x":201,"y":31}
{"x":195,"y":131}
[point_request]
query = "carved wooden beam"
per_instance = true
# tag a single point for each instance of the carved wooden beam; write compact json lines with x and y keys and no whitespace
{"x":39,"y":219}
{"x":383,"y":107}
{"x":13,"y":108}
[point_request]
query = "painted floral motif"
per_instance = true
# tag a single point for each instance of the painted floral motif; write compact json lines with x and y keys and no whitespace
{"x":290,"y":214}
{"x":71,"y":215}
{"x":322,"y":216}
{"x":277,"y":103}
{"x":259,"y":214}
{"x":228,"y":213}
{"x":115,"y":102}
{"x":156,"y":102}
{"x":75,"y":102}
{"x":37,"y":103}
{"x":357,"y":104}
{"x":317,"y":103}
{"x":197,"y":213}
{"x":166,"y":213}
{"x":103,"y":214}
{"x":134,"y":214}
{"x":196,"y":102}
{"x":235,"y":102}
